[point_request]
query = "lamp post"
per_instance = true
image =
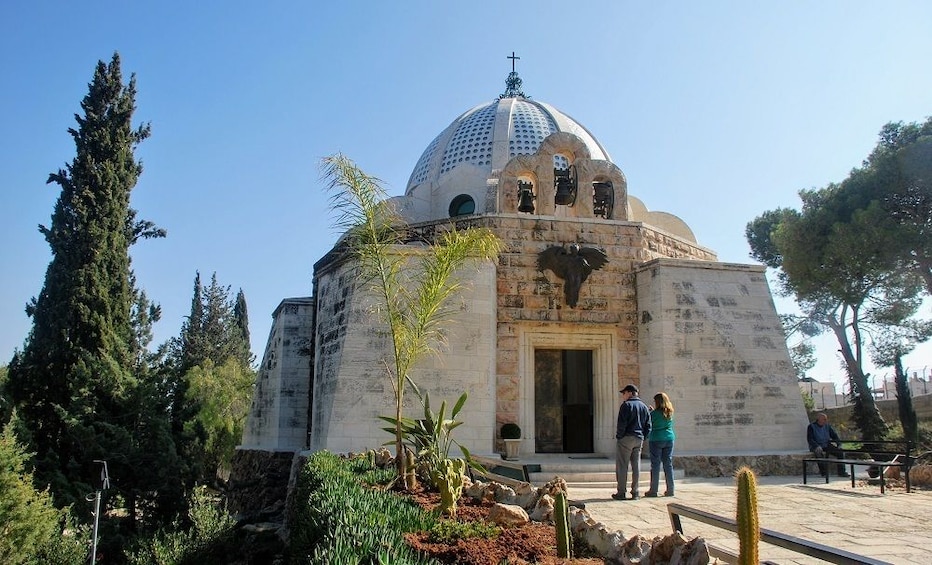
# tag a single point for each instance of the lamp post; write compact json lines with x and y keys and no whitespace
{"x":105,"y":484}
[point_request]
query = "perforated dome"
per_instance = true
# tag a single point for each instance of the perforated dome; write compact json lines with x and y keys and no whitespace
{"x":490,"y":134}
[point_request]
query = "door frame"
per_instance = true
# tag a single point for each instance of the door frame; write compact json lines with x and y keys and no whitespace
{"x":604,"y":381}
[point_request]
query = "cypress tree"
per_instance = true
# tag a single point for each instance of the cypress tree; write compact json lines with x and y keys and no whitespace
{"x":241,"y":319}
{"x":75,"y":372}
{"x":192,"y":351}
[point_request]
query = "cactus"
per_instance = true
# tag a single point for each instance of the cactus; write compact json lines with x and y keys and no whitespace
{"x":561,"y":519}
{"x":748,"y":526}
{"x":449,"y":480}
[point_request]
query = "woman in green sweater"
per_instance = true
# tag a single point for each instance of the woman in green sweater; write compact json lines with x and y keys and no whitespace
{"x":661,"y":444}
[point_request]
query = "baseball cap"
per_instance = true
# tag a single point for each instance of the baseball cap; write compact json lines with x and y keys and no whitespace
{"x":630,"y":388}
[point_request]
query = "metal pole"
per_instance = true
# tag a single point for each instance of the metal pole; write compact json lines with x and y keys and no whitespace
{"x":104,"y":484}
{"x":96,"y":518}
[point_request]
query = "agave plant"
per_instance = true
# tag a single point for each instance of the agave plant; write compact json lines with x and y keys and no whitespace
{"x":430,"y":438}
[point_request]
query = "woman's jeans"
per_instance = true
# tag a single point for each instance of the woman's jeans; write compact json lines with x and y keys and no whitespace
{"x":661,"y":453}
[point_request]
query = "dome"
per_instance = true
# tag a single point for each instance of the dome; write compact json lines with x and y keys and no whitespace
{"x":489,"y":135}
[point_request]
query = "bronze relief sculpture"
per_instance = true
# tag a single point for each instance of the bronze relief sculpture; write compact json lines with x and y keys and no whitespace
{"x":573,"y":265}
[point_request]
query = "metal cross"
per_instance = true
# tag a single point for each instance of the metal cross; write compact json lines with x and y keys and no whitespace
{"x":513,"y":58}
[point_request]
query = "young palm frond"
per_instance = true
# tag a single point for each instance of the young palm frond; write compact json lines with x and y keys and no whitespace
{"x":413,"y":285}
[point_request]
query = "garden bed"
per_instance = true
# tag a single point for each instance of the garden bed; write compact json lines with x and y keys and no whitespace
{"x":533,"y":542}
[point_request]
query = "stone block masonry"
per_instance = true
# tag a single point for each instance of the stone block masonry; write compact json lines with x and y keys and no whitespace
{"x":710,"y":338}
{"x":278,"y":414}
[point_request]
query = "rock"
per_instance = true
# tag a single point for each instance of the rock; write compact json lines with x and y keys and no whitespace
{"x":519,"y":505}
{"x":554,"y":486}
{"x":383,"y":458}
{"x":667,"y":549}
{"x":543,"y":511}
{"x":635,"y":550}
{"x":604,"y":541}
{"x":696,"y":552}
{"x":274,"y":512}
{"x":921,"y":475}
{"x":508,"y":515}
{"x":580,"y":519}
{"x":258,"y":480}
{"x":260,"y":543}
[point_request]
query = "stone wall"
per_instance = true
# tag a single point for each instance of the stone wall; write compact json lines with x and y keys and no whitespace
{"x":352,"y":386}
{"x":726,"y":465}
{"x":711,"y":339}
{"x":532,"y":311}
{"x":278,"y":414}
{"x":259,"y":482}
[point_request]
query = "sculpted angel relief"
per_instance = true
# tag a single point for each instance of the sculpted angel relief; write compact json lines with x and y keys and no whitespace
{"x":572,"y":265}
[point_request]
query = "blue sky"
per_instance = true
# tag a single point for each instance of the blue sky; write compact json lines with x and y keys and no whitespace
{"x":716,"y":111}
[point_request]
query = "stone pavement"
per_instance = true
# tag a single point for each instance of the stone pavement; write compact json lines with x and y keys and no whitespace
{"x":894,"y":527}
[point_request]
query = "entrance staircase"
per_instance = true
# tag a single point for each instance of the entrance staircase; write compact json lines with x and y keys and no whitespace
{"x":578,"y":470}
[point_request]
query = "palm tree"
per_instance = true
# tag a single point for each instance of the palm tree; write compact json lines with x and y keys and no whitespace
{"x":412,"y":283}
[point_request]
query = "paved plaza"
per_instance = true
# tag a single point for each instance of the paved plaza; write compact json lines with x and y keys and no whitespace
{"x":894,"y":527}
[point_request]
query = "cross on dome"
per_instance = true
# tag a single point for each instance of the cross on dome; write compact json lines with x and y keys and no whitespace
{"x":513,"y":59}
{"x":513,"y":82}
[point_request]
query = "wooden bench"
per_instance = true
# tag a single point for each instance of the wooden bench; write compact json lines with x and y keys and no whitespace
{"x":900,"y":459}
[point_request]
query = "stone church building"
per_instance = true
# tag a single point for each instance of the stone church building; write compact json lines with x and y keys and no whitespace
{"x":592,"y":291}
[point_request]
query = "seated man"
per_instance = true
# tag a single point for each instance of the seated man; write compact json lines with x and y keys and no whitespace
{"x":823,"y":441}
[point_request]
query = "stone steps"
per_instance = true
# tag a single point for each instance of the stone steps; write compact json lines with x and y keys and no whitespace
{"x":590,"y":471}
{"x":592,"y":475}
{"x":597,"y":470}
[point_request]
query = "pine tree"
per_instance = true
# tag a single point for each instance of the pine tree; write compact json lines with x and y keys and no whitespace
{"x":75,"y":373}
{"x":152,"y":486}
{"x":216,"y":329}
{"x":211,"y":371}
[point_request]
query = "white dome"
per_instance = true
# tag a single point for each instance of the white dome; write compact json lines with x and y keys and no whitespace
{"x":490,"y":134}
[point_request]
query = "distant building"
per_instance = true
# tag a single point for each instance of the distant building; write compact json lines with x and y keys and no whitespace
{"x":831,"y":395}
{"x":824,"y":395}
{"x":917,"y":387}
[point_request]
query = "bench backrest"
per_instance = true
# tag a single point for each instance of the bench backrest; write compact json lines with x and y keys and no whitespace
{"x":891,"y":447}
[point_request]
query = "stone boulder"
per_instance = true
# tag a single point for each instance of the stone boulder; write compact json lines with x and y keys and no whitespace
{"x":508,"y":515}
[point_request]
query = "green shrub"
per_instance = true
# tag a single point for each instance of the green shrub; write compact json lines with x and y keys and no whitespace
{"x":449,"y":531}
{"x":32,"y":530}
{"x":511,"y":431}
{"x":924,"y":432}
{"x":208,"y":539}
{"x":336,"y":518}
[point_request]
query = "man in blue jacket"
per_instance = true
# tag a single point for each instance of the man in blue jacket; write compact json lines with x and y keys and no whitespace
{"x":633,"y":427}
{"x":823,"y":441}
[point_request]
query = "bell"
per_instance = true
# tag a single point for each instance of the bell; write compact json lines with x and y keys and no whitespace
{"x":525,"y":197}
{"x":565,"y":187}
{"x":603,"y":199}
{"x":564,"y":195}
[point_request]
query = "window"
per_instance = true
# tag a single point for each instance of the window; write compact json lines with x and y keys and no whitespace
{"x":462,"y":205}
